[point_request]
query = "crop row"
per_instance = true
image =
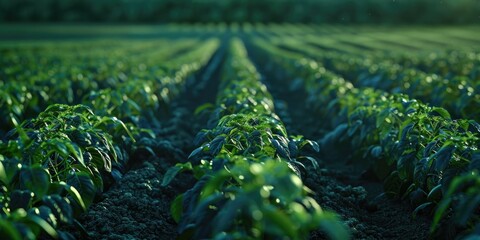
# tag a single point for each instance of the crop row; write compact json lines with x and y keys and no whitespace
{"x":372,"y":41}
{"x":53,"y":166}
{"x":32,"y":81}
{"x":248,"y":168}
{"x":455,"y":59}
{"x":14,"y":53}
{"x":422,"y":155}
{"x":455,"y":92}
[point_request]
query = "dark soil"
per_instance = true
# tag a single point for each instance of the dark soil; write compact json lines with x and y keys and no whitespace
{"x":135,"y":208}
{"x":361,"y":206}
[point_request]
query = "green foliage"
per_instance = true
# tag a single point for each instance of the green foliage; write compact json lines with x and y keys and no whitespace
{"x":257,"y":200}
{"x":461,"y":201}
{"x":56,"y":169}
{"x":53,"y":166}
{"x":247,"y":168}
{"x":131,"y":91}
{"x":421,"y":76}
{"x":418,"y":150}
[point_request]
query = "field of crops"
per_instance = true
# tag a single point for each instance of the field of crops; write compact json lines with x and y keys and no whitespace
{"x":251,"y":131}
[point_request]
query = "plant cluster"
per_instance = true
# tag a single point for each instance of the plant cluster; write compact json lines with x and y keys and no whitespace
{"x":448,"y":79}
{"x":421,"y":153}
{"x":27,"y":88}
{"x":247,"y":167}
{"x":53,"y":166}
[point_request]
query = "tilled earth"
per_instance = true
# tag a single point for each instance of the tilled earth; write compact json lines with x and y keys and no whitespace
{"x":368,"y":214}
{"x":135,"y":208}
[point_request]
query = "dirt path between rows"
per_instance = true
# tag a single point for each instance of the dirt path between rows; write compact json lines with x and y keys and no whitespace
{"x":368,"y":214}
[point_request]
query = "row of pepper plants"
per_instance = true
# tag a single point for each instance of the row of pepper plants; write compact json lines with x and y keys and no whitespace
{"x":53,"y":166}
{"x":422,"y":155}
{"x":454,"y":86}
{"x":248,"y":169}
{"x":34,"y":78}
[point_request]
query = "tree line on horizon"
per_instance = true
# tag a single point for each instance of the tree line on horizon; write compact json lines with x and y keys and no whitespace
{"x":253,"y":11}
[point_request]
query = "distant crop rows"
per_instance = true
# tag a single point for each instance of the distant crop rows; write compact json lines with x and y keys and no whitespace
{"x":75,"y":113}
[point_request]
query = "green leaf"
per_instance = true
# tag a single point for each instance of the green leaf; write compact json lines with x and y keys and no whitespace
{"x":58,"y":145}
{"x":35,"y":179}
{"x":214,"y":184}
{"x":281,"y":151}
{"x":75,"y":151}
{"x":292,"y":147}
{"x":475,"y":125}
{"x":312,"y":160}
{"x":117,"y":122}
{"x":442,"y":112}
{"x":280,"y":220}
{"x":100,"y":159}
{"x":84,"y":184}
{"x":45,"y":213}
{"x":176,"y":209}
{"x":73,"y":192}
{"x":173,"y":171}
{"x":405,"y":130}
{"x":76,"y":196}
{"x":354,"y":127}
{"x":435,"y":194}
{"x":21,"y":132}
{"x":203,"y":107}
{"x":216,"y":145}
{"x":314,"y":145}
{"x":44,"y":225}
{"x":134,"y":105}
{"x":60,"y":207}
{"x":195,"y":152}
{"x":443,"y":157}
{"x":8,"y":230}
{"x":421,"y":208}
{"x":3,"y":174}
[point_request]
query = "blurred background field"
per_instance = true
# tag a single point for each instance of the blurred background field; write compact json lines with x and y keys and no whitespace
{"x":252,"y":11}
